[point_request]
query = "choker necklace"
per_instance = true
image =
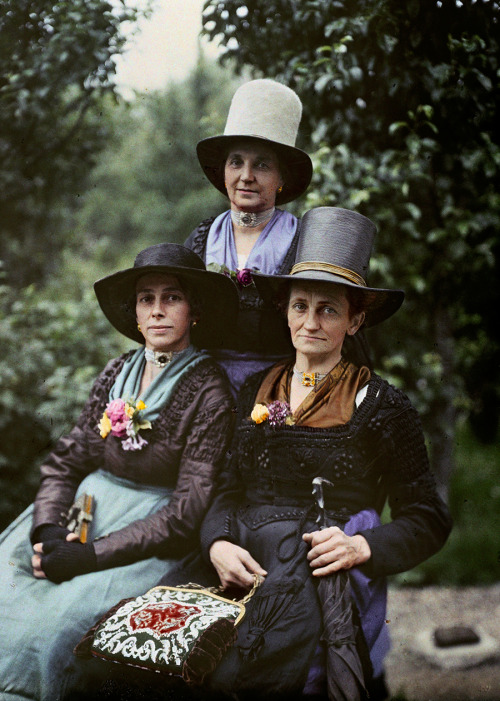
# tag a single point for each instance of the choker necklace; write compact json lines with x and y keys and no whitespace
{"x":250,"y":219}
{"x":160,"y":358}
{"x":309,"y":379}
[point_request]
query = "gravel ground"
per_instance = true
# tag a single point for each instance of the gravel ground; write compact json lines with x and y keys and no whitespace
{"x":412,"y":612}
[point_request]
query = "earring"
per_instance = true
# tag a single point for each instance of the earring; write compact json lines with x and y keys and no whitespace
{"x":194,"y":323}
{"x":280,"y":189}
{"x":139,"y":326}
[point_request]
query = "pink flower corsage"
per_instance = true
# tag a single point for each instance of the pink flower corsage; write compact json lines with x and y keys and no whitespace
{"x":123,"y":420}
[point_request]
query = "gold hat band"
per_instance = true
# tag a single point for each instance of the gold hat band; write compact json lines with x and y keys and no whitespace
{"x":329,"y":268}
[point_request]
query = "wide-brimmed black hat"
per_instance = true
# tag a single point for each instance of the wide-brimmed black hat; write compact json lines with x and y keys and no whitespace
{"x":268,"y":113}
{"x":335,"y":246}
{"x":216,"y":293}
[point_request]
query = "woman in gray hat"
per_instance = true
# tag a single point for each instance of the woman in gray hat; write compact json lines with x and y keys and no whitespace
{"x":319,"y":445}
{"x":256,"y":164}
{"x":144,"y":453}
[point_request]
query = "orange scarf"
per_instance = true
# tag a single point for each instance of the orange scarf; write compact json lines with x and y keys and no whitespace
{"x":329,"y":403}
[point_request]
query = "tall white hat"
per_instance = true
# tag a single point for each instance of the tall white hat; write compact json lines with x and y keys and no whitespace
{"x":268,"y":112}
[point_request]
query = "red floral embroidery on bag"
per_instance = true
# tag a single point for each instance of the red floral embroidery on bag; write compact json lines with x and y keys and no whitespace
{"x":162,"y":618}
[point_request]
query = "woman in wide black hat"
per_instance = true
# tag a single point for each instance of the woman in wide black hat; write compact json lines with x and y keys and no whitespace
{"x":319,"y":444}
{"x":145,"y":448}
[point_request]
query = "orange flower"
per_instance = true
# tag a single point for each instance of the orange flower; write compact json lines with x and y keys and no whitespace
{"x":104,"y":425}
{"x":259,"y":413}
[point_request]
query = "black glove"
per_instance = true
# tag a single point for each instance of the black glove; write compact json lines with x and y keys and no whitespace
{"x":48,"y":532}
{"x":63,"y":560}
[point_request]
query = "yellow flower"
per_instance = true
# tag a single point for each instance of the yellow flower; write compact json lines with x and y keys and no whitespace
{"x":259,"y":413}
{"x":140,"y":405}
{"x":104,"y":425}
{"x":129,"y":410}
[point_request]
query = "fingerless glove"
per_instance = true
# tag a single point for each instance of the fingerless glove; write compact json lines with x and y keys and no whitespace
{"x":63,"y":560}
{"x":48,"y":532}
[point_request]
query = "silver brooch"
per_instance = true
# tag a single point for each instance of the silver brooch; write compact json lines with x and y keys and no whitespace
{"x":158,"y":358}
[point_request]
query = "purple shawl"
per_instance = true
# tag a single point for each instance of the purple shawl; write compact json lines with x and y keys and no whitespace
{"x":370,"y":596}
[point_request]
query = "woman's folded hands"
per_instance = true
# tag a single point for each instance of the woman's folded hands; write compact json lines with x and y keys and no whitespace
{"x":331,"y":550}
{"x":60,"y":560}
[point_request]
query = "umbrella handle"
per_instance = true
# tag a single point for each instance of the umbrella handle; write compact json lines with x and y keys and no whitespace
{"x":319,"y":498}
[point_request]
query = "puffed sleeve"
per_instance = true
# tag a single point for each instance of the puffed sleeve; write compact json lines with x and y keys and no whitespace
{"x":421,"y":521}
{"x":197,"y":239}
{"x":74,"y":456}
{"x":174,"y":529}
{"x":219,"y":523}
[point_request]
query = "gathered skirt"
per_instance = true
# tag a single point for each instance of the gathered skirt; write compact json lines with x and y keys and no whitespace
{"x":280,"y":652}
{"x":41,"y":621}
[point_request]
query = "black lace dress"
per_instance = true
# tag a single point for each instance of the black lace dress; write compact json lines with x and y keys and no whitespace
{"x":264,"y":504}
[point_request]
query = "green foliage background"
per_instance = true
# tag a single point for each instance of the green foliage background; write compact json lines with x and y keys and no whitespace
{"x":147,"y":185}
{"x":56,"y":82}
{"x":51,"y":349}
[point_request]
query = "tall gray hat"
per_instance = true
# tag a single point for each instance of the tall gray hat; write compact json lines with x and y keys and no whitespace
{"x":216,"y":293}
{"x":335,"y":246}
{"x":267,"y":112}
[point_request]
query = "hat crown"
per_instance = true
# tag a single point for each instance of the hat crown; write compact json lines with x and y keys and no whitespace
{"x":334,"y":247}
{"x":168,"y":254}
{"x":265,"y":109}
{"x":338,"y":237}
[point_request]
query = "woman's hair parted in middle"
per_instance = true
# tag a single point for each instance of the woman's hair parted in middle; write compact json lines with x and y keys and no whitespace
{"x":355,"y":297}
{"x":282,"y":167}
{"x":195,"y":302}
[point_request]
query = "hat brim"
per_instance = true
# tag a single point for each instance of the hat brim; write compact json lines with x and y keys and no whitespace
{"x":380,"y":303}
{"x":213,"y":150}
{"x":216,"y":293}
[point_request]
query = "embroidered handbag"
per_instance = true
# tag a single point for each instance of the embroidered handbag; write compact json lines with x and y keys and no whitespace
{"x":181,"y":631}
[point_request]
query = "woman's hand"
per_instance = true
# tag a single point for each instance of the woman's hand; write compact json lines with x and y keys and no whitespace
{"x":60,"y":560}
{"x":235,"y":566}
{"x":332,"y":550}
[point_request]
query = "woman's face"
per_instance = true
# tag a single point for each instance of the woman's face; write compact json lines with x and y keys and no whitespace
{"x":252,"y":177}
{"x":319,"y":318}
{"x":163,"y":312}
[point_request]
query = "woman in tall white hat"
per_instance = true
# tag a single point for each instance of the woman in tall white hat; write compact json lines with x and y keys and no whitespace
{"x":256,"y":164}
